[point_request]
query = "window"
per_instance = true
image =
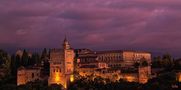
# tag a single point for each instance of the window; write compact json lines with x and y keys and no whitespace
{"x":68,"y":70}
{"x":68,"y":62}
{"x":33,"y":75}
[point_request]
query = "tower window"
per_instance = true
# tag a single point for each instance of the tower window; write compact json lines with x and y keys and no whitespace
{"x":68,"y":70}
{"x":32,"y":75}
{"x":68,"y":62}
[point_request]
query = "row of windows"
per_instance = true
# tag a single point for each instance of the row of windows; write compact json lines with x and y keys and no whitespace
{"x":103,"y":58}
{"x":111,"y":54}
{"x":87,"y":59}
{"x":33,"y":75}
{"x":114,"y":65}
{"x":69,"y":63}
{"x":57,"y":70}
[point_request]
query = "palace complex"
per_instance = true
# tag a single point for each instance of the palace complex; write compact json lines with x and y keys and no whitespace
{"x":132,"y":66}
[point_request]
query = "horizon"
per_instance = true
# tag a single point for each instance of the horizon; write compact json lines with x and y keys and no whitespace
{"x":39,"y":50}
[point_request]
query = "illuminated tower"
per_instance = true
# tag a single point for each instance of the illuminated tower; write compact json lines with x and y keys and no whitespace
{"x":144,"y":73}
{"x":61,"y":65}
{"x":69,"y":57}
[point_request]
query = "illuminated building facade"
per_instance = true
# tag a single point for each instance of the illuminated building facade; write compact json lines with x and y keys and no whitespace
{"x":141,"y":74}
{"x":107,"y":63}
{"x":131,"y":57}
{"x":178,"y":76}
{"x":114,"y":59}
{"x":25,"y":75}
{"x":62,"y":65}
{"x":144,"y":74}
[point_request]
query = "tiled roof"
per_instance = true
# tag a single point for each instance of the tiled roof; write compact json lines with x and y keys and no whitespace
{"x":109,"y":51}
{"x":120,"y":51}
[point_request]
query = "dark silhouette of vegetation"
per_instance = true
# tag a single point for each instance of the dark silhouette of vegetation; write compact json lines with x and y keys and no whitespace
{"x":5,"y":62}
{"x":166,"y":61}
{"x":45,"y":61}
{"x":25,"y":59}
{"x":177,"y":64}
{"x":144,"y":63}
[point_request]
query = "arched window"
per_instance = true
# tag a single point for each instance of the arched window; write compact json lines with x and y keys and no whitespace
{"x":33,"y":75}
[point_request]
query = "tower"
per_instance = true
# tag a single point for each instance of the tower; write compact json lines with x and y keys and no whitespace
{"x":66,"y":44}
{"x":69,"y":57}
{"x":61,"y":65}
{"x":144,"y":73}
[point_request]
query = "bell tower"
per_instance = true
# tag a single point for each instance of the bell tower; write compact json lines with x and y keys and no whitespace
{"x":66,"y":44}
{"x":62,"y":65}
{"x":69,"y":57}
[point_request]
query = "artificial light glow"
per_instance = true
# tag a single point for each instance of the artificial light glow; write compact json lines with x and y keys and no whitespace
{"x":143,"y":81}
{"x":65,"y":86}
{"x":130,"y":79}
{"x":71,"y":78}
{"x":179,"y":78}
{"x":57,"y":77}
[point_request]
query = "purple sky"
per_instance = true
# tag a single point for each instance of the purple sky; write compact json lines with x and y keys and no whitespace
{"x":153,"y":25}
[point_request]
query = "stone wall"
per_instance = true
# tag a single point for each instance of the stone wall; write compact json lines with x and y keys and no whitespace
{"x":25,"y":75}
{"x":178,"y":76}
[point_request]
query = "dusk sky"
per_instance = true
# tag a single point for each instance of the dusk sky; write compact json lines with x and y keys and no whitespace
{"x":152,"y":25}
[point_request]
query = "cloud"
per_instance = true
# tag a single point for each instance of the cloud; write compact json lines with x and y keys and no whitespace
{"x":96,"y":24}
{"x":94,"y":39}
{"x":21,"y":32}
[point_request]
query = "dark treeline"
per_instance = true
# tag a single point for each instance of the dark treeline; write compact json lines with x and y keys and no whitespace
{"x":29,"y":59}
{"x":167,"y":62}
{"x":10,"y":63}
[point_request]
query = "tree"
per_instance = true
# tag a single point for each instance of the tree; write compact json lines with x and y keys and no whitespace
{"x":25,"y":58}
{"x":15,"y":64}
{"x":18,"y":61}
{"x":144,"y":63}
{"x":5,"y":61}
{"x":44,"y":54}
{"x":35,"y":59}
{"x":177,"y":64}
{"x":45,"y":61}
{"x":157,"y":62}
{"x":167,"y":61}
{"x":161,"y":82}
